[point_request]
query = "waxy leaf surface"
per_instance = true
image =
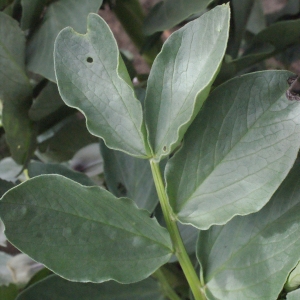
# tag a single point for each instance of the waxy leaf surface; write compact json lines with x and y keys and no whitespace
{"x":92,"y":77}
{"x":251,"y":256}
{"x":237,"y":152}
{"x":181,"y":77}
{"x":59,"y":14}
{"x":83,"y":233}
{"x":58,"y":288}
{"x":15,"y":90}
{"x":169,"y":13}
{"x":127,"y":176}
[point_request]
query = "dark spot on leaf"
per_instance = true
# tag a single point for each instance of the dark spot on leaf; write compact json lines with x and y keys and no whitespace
{"x":164,"y":148}
{"x":293,"y":92}
{"x":89,"y":60}
{"x":122,"y":189}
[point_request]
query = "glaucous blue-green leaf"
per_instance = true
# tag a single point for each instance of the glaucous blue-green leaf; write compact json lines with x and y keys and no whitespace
{"x":168,"y":13}
{"x":295,"y":295}
{"x":58,"y":288}
{"x":9,"y":292}
{"x":181,"y":77}
{"x":83,"y":233}
{"x":15,"y":90}
{"x":237,"y":152}
{"x":46,"y":103}
{"x":36,"y":168}
{"x":31,"y":12}
{"x":251,"y":256}
{"x":127,"y":176}
{"x":92,"y":77}
{"x":59,"y":14}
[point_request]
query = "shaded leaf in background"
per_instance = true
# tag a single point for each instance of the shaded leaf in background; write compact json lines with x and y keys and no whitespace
{"x":15,"y":91}
{"x":37,"y":168}
{"x":5,"y":186}
{"x":251,"y":256}
{"x":241,"y":10}
{"x":94,"y":79}
{"x":295,"y":295}
{"x":4,"y":3}
{"x":58,"y":288}
{"x":59,"y":14}
{"x":291,"y":8}
{"x":46,"y":103}
{"x":257,"y":20}
{"x":9,"y":292}
{"x":31,"y":12}
{"x":61,"y":142}
{"x":181,"y":77}
{"x":237,"y":152}
{"x":129,"y":176}
{"x":272,"y":40}
{"x":168,"y":13}
{"x":83,"y":233}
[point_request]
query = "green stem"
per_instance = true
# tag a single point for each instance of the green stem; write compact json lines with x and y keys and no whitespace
{"x":178,"y":245}
{"x":167,"y":289}
{"x":131,"y":16}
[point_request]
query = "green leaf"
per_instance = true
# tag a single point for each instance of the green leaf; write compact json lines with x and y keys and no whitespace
{"x":59,"y":14}
{"x":37,"y":168}
{"x":251,"y":256}
{"x":63,"y":141}
{"x":168,"y":13}
{"x":83,"y":233}
{"x":237,"y":152}
{"x":241,"y":10}
{"x":15,"y":91}
{"x":46,"y":103}
{"x":31,"y":12}
{"x":257,"y":20}
{"x":5,"y":186}
{"x":8,"y":292}
{"x":267,"y":43}
{"x":94,"y":79}
{"x":129,"y":176}
{"x":57,"y":288}
{"x":295,"y":295}
{"x":181,"y":77}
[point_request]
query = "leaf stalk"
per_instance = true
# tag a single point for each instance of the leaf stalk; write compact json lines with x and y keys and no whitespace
{"x":178,"y":245}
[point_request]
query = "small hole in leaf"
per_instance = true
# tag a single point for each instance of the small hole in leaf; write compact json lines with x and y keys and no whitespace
{"x":164,"y":148}
{"x":89,"y":60}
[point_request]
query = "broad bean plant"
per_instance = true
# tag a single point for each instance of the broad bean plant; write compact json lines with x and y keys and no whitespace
{"x":202,"y":197}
